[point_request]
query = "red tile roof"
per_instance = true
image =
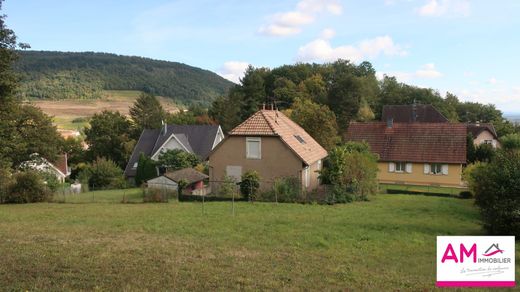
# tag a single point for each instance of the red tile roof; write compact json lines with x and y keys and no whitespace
{"x":275,"y":123}
{"x":413,"y":142}
{"x":61,"y":164}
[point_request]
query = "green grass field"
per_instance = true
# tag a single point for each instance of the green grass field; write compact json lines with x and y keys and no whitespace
{"x":385,"y":244}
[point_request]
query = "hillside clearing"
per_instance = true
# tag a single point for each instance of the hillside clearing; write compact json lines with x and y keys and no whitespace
{"x":385,"y":244}
{"x":65,"y":111}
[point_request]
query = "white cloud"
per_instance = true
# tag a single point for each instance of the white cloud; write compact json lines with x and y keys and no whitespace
{"x":505,"y":98}
{"x":327,"y":34}
{"x":445,"y":7}
{"x":321,"y":50}
{"x":493,"y":80}
{"x":291,"y":22}
{"x":233,"y":70}
{"x":428,"y":71}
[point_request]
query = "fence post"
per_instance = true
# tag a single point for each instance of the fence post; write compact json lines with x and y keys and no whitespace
{"x":233,"y":201}
{"x":203,"y":205}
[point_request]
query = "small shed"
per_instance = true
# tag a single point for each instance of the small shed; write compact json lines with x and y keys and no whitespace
{"x":170,"y":180}
{"x":162,"y":183}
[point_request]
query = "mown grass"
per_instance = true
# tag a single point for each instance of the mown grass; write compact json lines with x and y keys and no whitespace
{"x":385,"y":244}
{"x":134,"y":195}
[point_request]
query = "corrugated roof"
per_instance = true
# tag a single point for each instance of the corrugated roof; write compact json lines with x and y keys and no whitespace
{"x":421,"y":113}
{"x":413,"y":142}
{"x":275,"y":123}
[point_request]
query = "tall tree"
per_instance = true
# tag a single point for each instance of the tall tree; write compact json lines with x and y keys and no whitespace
{"x":109,"y":136}
{"x":317,"y":120}
{"x":345,"y":99}
{"x":147,"y":112}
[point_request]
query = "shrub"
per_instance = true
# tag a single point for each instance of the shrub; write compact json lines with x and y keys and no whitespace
{"x":103,"y":174}
{"x":465,"y":195}
{"x":27,"y":187}
{"x":178,"y":159}
{"x":353,"y":169}
{"x":50,"y":180}
{"x":227,"y":187}
{"x":6,"y":180}
{"x":287,"y":189}
{"x":146,"y":170}
{"x":496,"y":187}
{"x":510,"y":142}
{"x":338,"y":194}
{"x":250,"y":184}
{"x":484,"y":152}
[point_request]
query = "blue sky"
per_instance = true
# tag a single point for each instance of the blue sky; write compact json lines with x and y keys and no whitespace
{"x":470,"y":48}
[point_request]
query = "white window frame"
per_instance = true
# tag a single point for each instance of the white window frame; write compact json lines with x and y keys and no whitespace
{"x":254,"y":139}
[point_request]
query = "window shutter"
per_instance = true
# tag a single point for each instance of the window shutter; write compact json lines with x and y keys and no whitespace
{"x":391,"y":167}
{"x":445,"y":169}
{"x":426,"y":169}
{"x":409,"y":168}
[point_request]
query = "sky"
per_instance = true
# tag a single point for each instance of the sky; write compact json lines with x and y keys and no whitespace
{"x":469,"y":48}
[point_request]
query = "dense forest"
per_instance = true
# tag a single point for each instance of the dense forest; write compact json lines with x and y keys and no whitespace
{"x":65,"y":75}
{"x":351,"y":91}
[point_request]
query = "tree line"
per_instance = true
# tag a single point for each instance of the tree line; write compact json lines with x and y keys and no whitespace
{"x":67,"y":75}
{"x":339,"y":92}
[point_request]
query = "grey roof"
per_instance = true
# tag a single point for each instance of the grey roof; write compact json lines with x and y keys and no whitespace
{"x":198,"y":139}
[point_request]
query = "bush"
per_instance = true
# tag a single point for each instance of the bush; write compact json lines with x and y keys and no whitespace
{"x":27,"y":187}
{"x":146,"y":170}
{"x":510,"y":142}
{"x":465,"y":195}
{"x":496,"y":187}
{"x":287,"y":189}
{"x":50,"y":180}
{"x":6,"y":180}
{"x":102,"y":174}
{"x":250,"y":184}
{"x":339,"y":195}
{"x":227,"y":187}
{"x":352,"y":168}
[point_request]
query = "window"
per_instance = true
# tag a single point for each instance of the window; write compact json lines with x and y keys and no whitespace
{"x":234,"y":172}
{"x":400,"y":167}
{"x":253,"y":148}
{"x":436,"y":168}
{"x":488,"y":142}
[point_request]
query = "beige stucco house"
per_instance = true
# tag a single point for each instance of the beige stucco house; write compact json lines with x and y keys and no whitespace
{"x":273,"y":145}
{"x":415,"y":153}
{"x":484,"y":134}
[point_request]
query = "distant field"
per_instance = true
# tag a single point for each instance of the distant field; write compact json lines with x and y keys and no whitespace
{"x":387,"y":244}
{"x":65,"y":111}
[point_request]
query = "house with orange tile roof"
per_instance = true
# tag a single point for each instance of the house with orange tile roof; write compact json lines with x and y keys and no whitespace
{"x":271,"y":144}
{"x":430,"y":154}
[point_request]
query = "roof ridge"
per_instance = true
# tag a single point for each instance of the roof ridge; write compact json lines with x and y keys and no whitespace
{"x":269,"y":123}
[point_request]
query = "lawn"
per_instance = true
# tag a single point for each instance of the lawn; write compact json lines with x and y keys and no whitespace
{"x":385,"y":244}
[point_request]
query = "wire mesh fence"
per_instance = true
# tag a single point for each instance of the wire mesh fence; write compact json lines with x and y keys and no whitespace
{"x":278,"y":191}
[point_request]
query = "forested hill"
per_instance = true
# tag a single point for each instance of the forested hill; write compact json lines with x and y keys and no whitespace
{"x":66,"y":75}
